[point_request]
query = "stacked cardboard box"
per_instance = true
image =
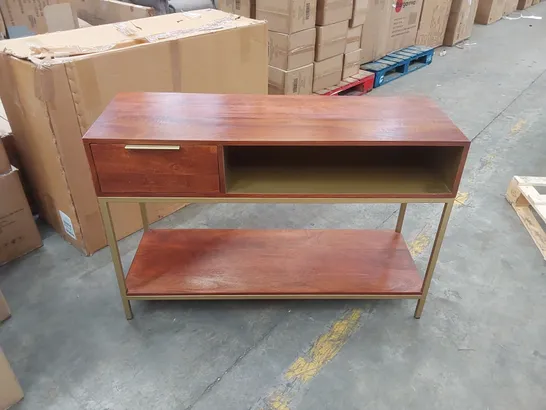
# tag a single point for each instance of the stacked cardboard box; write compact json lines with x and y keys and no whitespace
{"x":460,"y":21}
{"x":18,"y":232}
{"x":332,"y":30}
{"x":10,"y":390}
{"x":245,"y":8}
{"x":433,"y":22}
{"x":51,"y":106}
{"x":489,"y":11}
{"x":291,"y":44}
{"x":523,"y":4}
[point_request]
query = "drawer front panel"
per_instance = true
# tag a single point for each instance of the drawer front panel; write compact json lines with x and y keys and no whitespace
{"x":156,"y":169}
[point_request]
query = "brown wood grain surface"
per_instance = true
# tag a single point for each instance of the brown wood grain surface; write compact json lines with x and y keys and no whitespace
{"x":262,"y":262}
{"x":189,"y":170}
{"x":269,"y":120}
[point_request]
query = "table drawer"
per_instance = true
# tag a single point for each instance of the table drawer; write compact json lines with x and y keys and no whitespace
{"x":156,"y":169}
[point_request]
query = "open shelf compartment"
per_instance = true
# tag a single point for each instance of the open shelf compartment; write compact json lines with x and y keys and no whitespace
{"x":342,"y":170}
{"x":259,"y":263}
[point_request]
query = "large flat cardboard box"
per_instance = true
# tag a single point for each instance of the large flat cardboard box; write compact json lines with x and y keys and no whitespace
{"x":433,"y":22}
{"x":489,"y":11}
{"x":374,"y":17}
{"x":51,"y":103}
{"x":354,"y":36}
{"x":5,"y":313}
{"x":331,"y":40}
{"x":461,"y":21}
{"x":360,"y":8}
{"x":332,"y":11}
{"x":289,"y":51}
{"x":351,"y":63}
{"x":18,"y":231}
{"x":296,"y":81}
{"x":30,"y":17}
{"x":10,"y":390}
{"x":523,"y":4}
{"x":245,"y":8}
{"x":287,"y":16}
{"x":327,"y":73}
{"x":510,"y":6}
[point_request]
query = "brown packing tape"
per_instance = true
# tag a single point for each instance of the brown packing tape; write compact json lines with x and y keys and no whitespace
{"x":176,"y":70}
{"x":87,"y":75}
{"x":276,"y":51}
{"x":334,"y":40}
{"x":328,"y":72}
{"x":353,"y":39}
{"x":44,"y":85}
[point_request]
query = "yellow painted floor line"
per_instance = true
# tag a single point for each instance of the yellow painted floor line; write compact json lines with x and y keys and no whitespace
{"x":307,"y":366}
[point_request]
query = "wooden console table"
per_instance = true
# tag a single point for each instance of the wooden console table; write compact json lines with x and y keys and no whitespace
{"x":204,"y":148}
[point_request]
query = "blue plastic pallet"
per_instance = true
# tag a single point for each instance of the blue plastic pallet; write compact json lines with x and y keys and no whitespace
{"x":399,"y":63}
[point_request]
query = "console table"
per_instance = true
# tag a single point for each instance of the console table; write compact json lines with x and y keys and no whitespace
{"x":205,"y":148}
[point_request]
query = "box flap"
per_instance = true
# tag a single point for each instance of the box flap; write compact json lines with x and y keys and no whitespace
{"x":61,"y":46}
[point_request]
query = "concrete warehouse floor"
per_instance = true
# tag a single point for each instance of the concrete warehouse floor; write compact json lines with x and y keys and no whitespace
{"x":479,"y":345}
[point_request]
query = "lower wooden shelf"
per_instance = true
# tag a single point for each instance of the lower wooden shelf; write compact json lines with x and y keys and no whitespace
{"x":263,"y":263}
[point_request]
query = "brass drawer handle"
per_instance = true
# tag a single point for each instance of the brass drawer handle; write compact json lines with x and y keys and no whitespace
{"x":156,"y":147}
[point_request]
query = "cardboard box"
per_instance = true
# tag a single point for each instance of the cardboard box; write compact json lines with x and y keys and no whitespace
{"x":375,"y":16}
{"x":10,"y":390}
{"x":510,"y":6}
{"x":296,"y":81}
{"x":351,"y":63}
{"x":332,"y":11}
{"x":5,"y":165}
{"x":433,"y":22}
{"x":97,"y":12}
{"x":327,"y":73}
{"x":360,"y":9}
{"x":489,"y":11}
{"x":3,"y":33}
{"x":523,"y":4}
{"x":287,"y":16}
{"x":50,"y":109}
{"x":30,"y":17}
{"x":289,"y":51}
{"x":18,"y":231}
{"x":5,"y":313}
{"x":245,"y":8}
{"x":461,"y":21}
{"x":331,"y":40}
{"x":403,"y":23}
{"x":354,"y":36}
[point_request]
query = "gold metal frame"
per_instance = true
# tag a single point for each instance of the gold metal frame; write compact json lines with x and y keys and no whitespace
{"x":120,"y":275}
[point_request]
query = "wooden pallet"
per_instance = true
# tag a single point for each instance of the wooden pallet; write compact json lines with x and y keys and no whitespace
{"x":524,"y":198}
{"x":358,"y":84}
{"x":399,"y":63}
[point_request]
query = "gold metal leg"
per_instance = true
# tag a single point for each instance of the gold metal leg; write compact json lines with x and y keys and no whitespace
{"x":433,"y":258}
{"x":401,"y":215}
{"x":116,"y":259}
{"x":144,"y":216}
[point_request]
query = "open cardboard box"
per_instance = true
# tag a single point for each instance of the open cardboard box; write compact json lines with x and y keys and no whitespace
{"x":54,"y":86}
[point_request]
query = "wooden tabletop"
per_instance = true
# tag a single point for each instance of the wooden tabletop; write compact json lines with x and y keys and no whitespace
{"x":155,"y":118}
